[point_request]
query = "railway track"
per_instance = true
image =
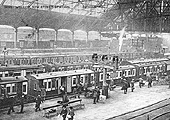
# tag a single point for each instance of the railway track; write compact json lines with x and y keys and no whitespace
{"x":150,"y":112}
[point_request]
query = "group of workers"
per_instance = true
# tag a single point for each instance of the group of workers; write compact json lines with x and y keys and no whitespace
{"x":14,"y":99}
{"x":127,"y":84}
{"x":21,"y":99}
{"x":67,"y":112}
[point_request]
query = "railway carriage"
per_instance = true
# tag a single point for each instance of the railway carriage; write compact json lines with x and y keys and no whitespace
{"x":12,"y":86}
{"x":23,"y":70}
{"x":135,"y":70}
{"x":53,"y":80}
{"x":15,"y":60}
{"x":148,"y":66}
{"x":127,"y":71}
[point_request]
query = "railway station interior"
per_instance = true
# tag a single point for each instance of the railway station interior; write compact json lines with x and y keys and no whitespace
{"x":84,"y":59}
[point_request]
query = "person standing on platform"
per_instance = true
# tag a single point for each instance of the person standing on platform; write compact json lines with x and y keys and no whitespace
{"x":94,"y":96}
{"x":43,"y":94}
{"x":149,"y":81}
{"x":98,"y":94}
{"x":132,"y":85}
{"x":64,"y":112}
{"x":22,"y":103}
{"x":11,"y":102}
{"x":125,"y":86}
{"x":79,"y":87}
{"x":38,"y":102}
{"x":140,"y":82}
{"x":62,"y":90}
{"x":65,"y":98}
{"x":71,"y":113}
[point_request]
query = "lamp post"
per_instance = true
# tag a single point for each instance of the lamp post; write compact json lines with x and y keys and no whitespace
{"x":5,"y":52}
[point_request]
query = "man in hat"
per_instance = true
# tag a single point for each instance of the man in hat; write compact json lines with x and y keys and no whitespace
{"x":38,"y":102}
{"x":132,"y":85}
{"x":11,"y":101}
{"x":149,"y":81}
{"x":125,"y":86}
{"x":140,"y":82}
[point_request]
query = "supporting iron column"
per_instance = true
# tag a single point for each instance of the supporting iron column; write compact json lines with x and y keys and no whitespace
{"x":87,"y":37}
{"x":72,"y":39}
{"x":37,"y":37}
{"x":56,"y":35}
{"x":100,"y":36}
{"x":15,"y":37}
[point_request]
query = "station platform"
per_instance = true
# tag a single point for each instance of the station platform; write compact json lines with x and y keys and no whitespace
{"x":118,"y":103}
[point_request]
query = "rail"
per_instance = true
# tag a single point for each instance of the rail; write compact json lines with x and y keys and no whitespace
{"x":138,"y":115}
{"x":160,"y":115}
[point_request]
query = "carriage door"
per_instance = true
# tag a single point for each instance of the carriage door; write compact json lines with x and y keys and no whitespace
{"x":74,"y":81}
{"x":82,"y":79}
{"x":19,"y":88}
{"x":92,"y":79}
{"x":69,"y":84}
{"x":58,"y":84}
{"x":64,"y":82}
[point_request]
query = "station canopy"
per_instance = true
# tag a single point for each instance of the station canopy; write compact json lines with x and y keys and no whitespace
{"x":87,"y":15}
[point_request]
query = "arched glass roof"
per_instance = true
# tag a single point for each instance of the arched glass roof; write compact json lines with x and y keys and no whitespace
{"x":81,"y":7}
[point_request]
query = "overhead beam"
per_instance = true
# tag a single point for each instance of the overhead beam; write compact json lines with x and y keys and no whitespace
{"x":3,"y":1}
{"x":31,"y":3}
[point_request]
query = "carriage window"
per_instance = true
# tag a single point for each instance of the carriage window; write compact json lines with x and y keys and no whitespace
{"x":24,"y":88}
{"x":101,"y":76}
{"x":35,"y":87}
{"x":13,"y":88}
{"x":6,"y":75}
{"x":17,"y":74}
{"x":74,"y":81}
{"x":49,"y":84}
{"x":8,"y":89}
{"x":120,"y":74}
{"x":129,"y":72}
{"x":53,"y":83}
{"x":145,"y":70}
{"x":59,"y":69}
{"x":148,"y":70}
{"x":81,"y":79}
{"x":45,"y":85}
{"x":108,"y":76}
{"x":140,"y":71}
{"x":92,"y":77}
{"x":134,"y":72}
{"x":125,"y":73}
{"x":10,"y":62}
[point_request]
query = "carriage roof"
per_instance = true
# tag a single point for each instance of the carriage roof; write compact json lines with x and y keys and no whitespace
{"x":148,"y":60}
{"x":123,"y":67}
{"x":9,"y":80}
{"x":150,"y":64}
{"x":73,"y":64}
{"x":61,"y":74}
{"x":21,"y":67}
